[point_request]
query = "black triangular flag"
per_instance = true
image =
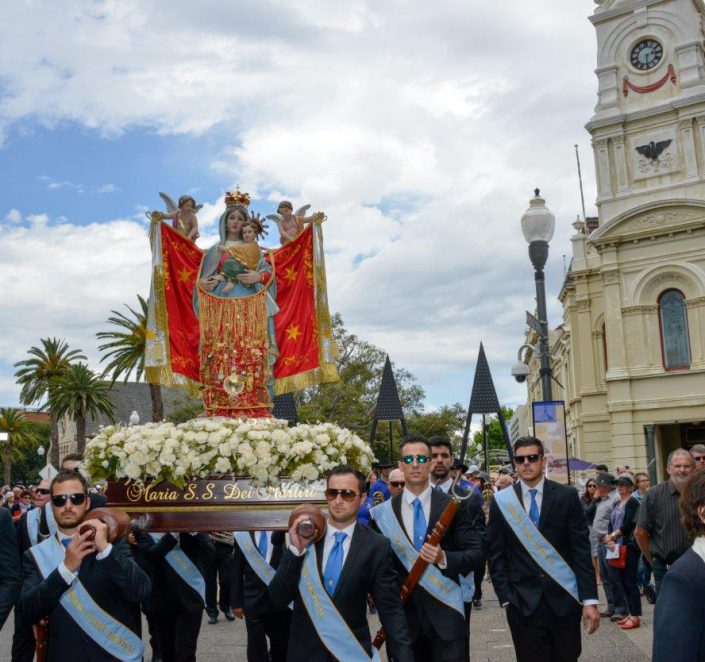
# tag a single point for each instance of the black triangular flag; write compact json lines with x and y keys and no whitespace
{"x":388,"y":405}
{"x":285,"y":408}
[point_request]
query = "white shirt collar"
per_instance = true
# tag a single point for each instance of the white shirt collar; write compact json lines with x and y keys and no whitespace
{"x":699,"y":547}
{"x":538,"y":487}
{"x":423,"y":497}
{"x":331,"y":531}
{"x":445,"y":485}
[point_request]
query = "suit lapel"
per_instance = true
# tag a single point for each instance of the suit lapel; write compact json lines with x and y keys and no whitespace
{"x":396,"y":509}
{"x":435,"y":511}
{"x":517,"y":489}
{"x":319,"y":554}
{"x":546,"y":502}
{"x":355,"y":545}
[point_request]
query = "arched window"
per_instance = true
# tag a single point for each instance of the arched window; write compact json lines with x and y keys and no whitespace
{"x":674,"y":330}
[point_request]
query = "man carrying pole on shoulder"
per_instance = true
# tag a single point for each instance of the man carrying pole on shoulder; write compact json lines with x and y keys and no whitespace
{"x":435,"y":610}
{"x":88,"y":588}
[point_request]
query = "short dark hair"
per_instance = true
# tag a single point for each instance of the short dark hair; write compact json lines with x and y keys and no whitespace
{"x":184,"y":199}
{"x":640,"y":473}
{"x":72,"y":457}
{"x":524,"y":442}
{"x":413,"y":439}
{"x":601,"y":467}
{"x":437,"y":440}
{"x":68,"y":474}
{"x":692,"y":502}
{"x":285,"y":203}
{"x":346,"y":469}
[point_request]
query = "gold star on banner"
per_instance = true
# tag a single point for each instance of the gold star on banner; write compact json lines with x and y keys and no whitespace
{"x":290,"y":274}
{"x":293,"y":332}
{"x":185,"y":275}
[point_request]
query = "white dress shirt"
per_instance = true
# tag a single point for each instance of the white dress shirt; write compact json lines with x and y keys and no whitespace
{"x":445,"y":485}
{"x":407,"y":508}
{"x":330,"y":541}
{"x":526,"y":497}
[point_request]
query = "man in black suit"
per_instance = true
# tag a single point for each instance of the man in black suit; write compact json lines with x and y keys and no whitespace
{"x":439,"y":631}
{"x":544,"y":618}
{"x":250,"y":597}
{"x":10,"y":580}
{"x":178,"y":598}
{"x":106,"y":572}
{"x":350,"y":562}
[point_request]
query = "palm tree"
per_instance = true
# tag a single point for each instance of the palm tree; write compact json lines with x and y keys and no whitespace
{"x":125,"y":351}
{"x":20,"y":436}
{"x":37,"y":374}
{"x":79,"y":393}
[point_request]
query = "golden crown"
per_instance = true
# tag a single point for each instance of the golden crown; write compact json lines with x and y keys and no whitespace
{"x":237,"y":198}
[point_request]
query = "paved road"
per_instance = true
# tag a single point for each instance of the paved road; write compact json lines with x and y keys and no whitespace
{"x":490,"y":640}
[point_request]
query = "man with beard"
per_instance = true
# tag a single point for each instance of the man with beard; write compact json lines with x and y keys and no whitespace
{"x":659,"y":532}
{"x":329,"y":582}
{"x":88,"y":588}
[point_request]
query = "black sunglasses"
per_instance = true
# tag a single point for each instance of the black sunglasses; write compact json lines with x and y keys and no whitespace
{"x":42,"y":490}
{"x":347,"y":495}
{"x":591,"y":485}
{"x":699,"y":458}
{"x":59,"y":500}
{"x":531,"y":459}
{"x":397,"y":483}
{"x":409,"y":459}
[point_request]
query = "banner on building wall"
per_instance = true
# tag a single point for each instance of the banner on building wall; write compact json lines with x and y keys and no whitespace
{"x":549,"y":427}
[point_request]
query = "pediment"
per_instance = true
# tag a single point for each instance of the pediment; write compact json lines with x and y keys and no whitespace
{"x":650,"y":221}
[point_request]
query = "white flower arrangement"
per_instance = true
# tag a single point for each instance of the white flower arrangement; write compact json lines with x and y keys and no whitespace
{"x":263,"y":449}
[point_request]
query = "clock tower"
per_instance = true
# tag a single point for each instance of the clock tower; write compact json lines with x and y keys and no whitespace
{"x":634,"y":298}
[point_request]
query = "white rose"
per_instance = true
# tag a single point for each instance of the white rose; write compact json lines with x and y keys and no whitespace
{"x":133,"y":471}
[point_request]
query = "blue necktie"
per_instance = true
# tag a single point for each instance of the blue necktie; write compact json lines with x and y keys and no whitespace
{"x":262,"y":544}
{"x":66,"y":542}
{"x":334,"y":564}
{"x":420,"y":525}
{"x":534,"y":507}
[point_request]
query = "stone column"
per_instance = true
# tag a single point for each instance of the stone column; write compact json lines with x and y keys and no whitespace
{"x":687,"y":140}
{"x":620,"y":164}
{"x":604,"y":175}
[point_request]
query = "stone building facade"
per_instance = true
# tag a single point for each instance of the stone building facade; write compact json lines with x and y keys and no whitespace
{"x":630,"y":355}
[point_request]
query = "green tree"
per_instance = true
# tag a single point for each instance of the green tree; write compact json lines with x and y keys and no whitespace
{"x":78,"y":394}
{"x":21,"y":436}
{"x":125,"y":349}
{"x":26,"y":469}
{"x":495,"y":436}
{"x":185,"y":409}
{"x":36,"y":377}
{"x":448,"y":422}
{"x":350,"y":402}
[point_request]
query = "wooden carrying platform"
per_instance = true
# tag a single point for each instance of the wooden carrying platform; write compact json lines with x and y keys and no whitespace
{"x":217,"y":504}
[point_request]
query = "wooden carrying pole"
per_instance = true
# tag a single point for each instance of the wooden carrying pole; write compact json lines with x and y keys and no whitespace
{"x":419,"y":567}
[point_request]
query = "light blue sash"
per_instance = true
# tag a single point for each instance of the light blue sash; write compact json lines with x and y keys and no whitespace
{"x":111,"y":635}
{"x":433,"y":580}
{"x":184,"y":567}
{"x":33,"y":524}
{"x":548,"y":559}
{"x":334,"y":632}
{"x":257,"y":562}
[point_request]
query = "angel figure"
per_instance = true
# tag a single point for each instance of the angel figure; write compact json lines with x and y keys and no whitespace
{"x":183,"y":216}
{"x":291,"y":224}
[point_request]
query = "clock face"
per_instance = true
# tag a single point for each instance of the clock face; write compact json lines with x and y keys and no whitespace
{"x":646,"y":54}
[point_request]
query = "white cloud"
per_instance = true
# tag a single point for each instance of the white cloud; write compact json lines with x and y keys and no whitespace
{"x":421,"y":129}
{"x":13,"y":216}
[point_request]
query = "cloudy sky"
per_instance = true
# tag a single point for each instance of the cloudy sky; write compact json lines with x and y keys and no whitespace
{"x":421,"y":128}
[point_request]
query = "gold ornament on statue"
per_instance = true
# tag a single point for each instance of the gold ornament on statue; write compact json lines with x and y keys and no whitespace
{"x":233,"y":385}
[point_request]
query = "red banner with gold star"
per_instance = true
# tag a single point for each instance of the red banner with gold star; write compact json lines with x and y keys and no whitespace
{"x":295,"y":324}
{"x":181,"y":260}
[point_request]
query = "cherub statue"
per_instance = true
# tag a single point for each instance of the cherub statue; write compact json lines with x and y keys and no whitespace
{"x":290,"y":223}
{"x":183,"y":216}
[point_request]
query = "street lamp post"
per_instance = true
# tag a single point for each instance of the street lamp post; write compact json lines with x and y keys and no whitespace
{"x":538,"y":224}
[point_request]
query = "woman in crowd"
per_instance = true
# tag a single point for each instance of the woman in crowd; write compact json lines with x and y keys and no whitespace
{"x":679,"y":618}
{"x":621,"y":533}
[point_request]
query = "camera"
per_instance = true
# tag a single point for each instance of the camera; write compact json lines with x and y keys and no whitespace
{"x":520,"y":371}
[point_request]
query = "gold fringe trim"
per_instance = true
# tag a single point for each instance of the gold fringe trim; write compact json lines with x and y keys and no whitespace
{"x":326,"y":374}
